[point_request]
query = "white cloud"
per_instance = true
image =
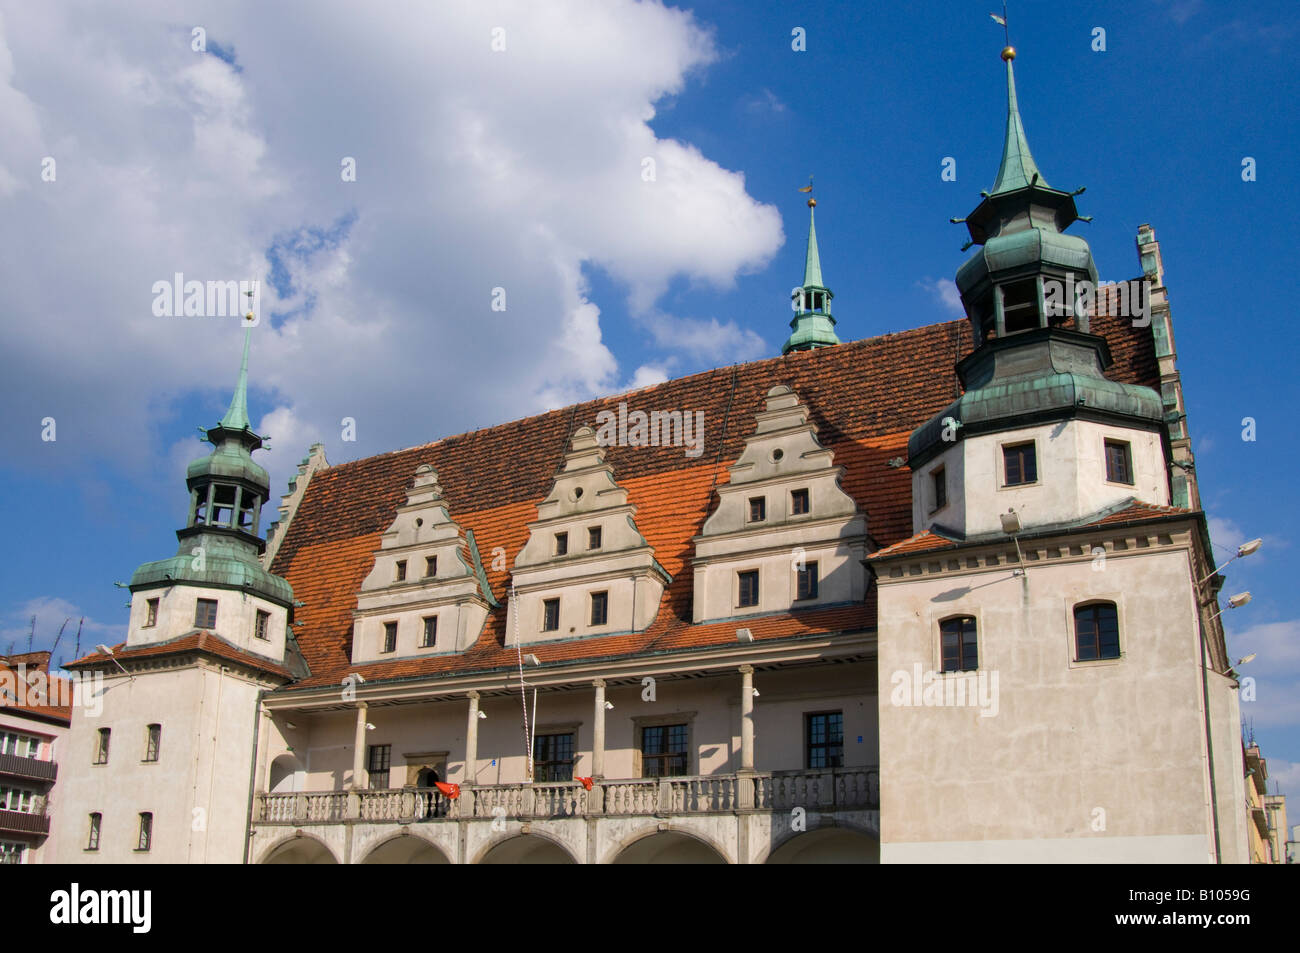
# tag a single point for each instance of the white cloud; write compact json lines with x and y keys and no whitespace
{"x":1284,"y":774}
{"x":51,"y":613}
{"x":475,"y":170}
{"x":944,"y":292}
{"x":707,"y":338}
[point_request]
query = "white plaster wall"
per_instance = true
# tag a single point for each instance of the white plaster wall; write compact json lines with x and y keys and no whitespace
{"x":839,"y":566}
{"x":1123,"y":736}
{"x":236,"y":618}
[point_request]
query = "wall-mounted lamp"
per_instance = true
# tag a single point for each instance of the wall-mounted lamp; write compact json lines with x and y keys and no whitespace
{"x":744,"y":635}
{"x":609,"y":706}
{"x":369,"y":727}
{"x":482,"y":713}
{"x":1234,"y":602}
{"x":1245,"y":549}
{"x":532,"y":660}
{"x":754,"y":691}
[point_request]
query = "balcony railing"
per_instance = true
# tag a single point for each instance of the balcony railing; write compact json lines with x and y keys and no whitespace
{"x":21,"y":822}
{"x":833,"y":789}
{"x":21,"y":767}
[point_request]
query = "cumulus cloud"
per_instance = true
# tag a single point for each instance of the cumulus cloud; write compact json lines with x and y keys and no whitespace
{"x":944,"y":292}
{"x":477,"y":169}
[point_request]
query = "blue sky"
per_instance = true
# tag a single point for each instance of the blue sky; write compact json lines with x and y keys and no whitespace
{"x":522,"y":172}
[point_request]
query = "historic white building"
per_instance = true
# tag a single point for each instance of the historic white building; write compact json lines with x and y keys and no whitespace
{"x":869,"y":622}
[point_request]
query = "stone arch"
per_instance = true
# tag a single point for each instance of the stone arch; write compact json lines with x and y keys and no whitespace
{"x":531,"y":848}
{"x":298,"y":849}
{"x":842,"y":844}
{"x":286,"y":775}
{"x":668,"y":845}
{"x":406,"y":849}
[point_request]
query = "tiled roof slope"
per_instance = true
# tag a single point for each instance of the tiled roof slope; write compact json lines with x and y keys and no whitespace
{"x":56,"y":689}
{"x":865,"y":398}
{"x":199,"y":640}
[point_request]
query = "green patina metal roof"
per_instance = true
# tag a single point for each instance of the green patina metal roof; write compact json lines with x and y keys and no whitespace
{"x":812,"y":269}
{"x":1018,"y":168}
{"x":809,"y":328}
{"x":234,"y":440}
{"x":237,"y":416}
{"x":222,"y":570}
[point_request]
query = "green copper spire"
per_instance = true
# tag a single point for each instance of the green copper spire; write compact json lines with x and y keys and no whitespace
{"x":812,"y":325}
{"x":812,"y":269}
{"x":237,"y":416}
{"x":1018,"y":169}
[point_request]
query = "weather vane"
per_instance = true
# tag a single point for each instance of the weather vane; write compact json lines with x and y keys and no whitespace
{"x":1006,"y":33}
{"x":808,"y":188}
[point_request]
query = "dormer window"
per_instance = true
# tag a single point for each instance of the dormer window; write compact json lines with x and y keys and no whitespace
{"x":599,"y":608}
{"x":1020,"y":464}
{"x":205,"y":614}
{"x":430,"y":566}
{"x":262,"y":624}
{"x":390,"y":636}
{"x":806,"y":582}
{"x":430,"y":638}
{"x":1119,"y":462}
{"x":400,"y":575}
{"x":593,"y":537}
{"x":551,"y":615}
{"x":748,"y":588}
{"x":757,"y":509}
{"x":561,"y":544}
{"x":798,"y":502}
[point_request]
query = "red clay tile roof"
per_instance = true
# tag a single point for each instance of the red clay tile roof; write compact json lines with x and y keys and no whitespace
{"x":865,"y":397}
{"x":56,"y":688}
{"x":927,"y":541}
{"x":197,"y":641}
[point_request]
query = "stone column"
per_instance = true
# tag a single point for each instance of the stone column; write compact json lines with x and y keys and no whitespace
{"x":471,"y":757}
{"x":598,"y":732}
{"x":263,"y":742}
{"x":746,"y":718}
{"x":359,"y":750}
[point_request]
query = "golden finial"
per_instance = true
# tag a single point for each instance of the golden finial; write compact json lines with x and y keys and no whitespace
{"x":812,"y":203}
{"x":1008,"y":53}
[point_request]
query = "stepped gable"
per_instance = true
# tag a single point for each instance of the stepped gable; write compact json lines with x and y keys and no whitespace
{"x":865,"y":397}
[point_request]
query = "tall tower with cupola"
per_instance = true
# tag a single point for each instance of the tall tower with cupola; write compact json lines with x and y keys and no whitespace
{"x":166,"y":744}
{"x":812,"y":325}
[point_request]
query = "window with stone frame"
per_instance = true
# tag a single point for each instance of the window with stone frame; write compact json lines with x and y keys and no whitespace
{"x":561,"y":544}
{"x":825,"y":739}
{"x":747,"y":582}
{"x":959,"y":644}
{"x":550,"y":615}
{"x":1096,"y":631}
{"x":553,"y":757}
{"x":400,"y":574}
{"x":1119,"y":462}
{"x":390,"y":637}
{"x":429,"y":638}
{"x":799,"y":502}
{"x":430,"y":566}
{"x":262,"y":624}
{"x":806,"y":581}
{"x":599,"y":608}
{"x":151,"y":614}
{"x":594,"y":537}
{"x":757,"y":509}
{"x":1020,"y":463}
{"x":664,"y":751}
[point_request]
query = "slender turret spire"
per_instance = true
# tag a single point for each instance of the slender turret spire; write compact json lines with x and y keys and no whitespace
{"x":813,"y":325}
{"x":1018,"y":169}
{"x":237,"y":416}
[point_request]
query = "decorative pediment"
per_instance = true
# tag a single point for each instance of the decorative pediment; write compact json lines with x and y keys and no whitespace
{"x":782,"y":512}
{"x":424,"y":569}
{"x":585,"y":560}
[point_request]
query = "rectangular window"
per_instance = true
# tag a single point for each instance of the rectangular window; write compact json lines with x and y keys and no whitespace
{"x":1020,"y":463}
{"x":101,"y":752}
{"x":939,"y":481}
{"x":22,"y":800}
{"x":960,"y":648}
{"x":826,"y":740}
{"x":1096,"y":631}
{"x":23,"y":746}
{"x":1119,"y":462}
{"x":798,"y":502}
{"x":92,"y":842}
{"x":663,"y":751}
{"x":401,"y":570}
{"x":11,"y":853}
{"x":806,"y":582}
{"x":550,"y":615}
{"x":430,"y":566}
{"x":205,"y":614}
{"x":153,"y":738}
{"x":430,"y":637}
{"x":748,"y":588}
{"x":561,"y":544}
{"x":390,"y":636}
{"x":263,"y":622}
{"x":146,"y":831}
{"x":151,"y":614}
{"x":553,"y":757}
{"x":757,"y":509}
{"x":378,"y":764}
{"x":593,"y":537}
{"x":599,"y":608}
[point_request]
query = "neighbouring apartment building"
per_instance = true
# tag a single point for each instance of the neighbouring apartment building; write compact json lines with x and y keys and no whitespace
{"x":34,"y":718}
{"x":942,"y":595}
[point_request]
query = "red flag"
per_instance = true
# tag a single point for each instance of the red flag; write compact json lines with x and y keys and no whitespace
{"x":586,"y":782}
{"x":451,"y":790}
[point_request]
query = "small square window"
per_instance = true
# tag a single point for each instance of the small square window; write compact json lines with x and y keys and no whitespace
{"x":798,"y":502}
{"x":152,"y":742}
{"x":205,"y":614}
{"x":550,"y":615}
{"x":561,"y":544}
{"x":430,"y":638}
{"x":430,"y":566}
{"x":151,"y":614}
{"x":263,"y":624}
{"x":939,"y":485}
{"x":146,"y":832}
{"x":401,"y":570}
{"x":806,"y":583}
{"x":757,"y":509}
{"x":390,"y":636}
{"x":1119,"y":462}
{"x":1020,"y":463}
{"x":748,"y":588}
{"x":599,"y":608}
{"x":593,"y":537}
{"x":92,"y":842}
